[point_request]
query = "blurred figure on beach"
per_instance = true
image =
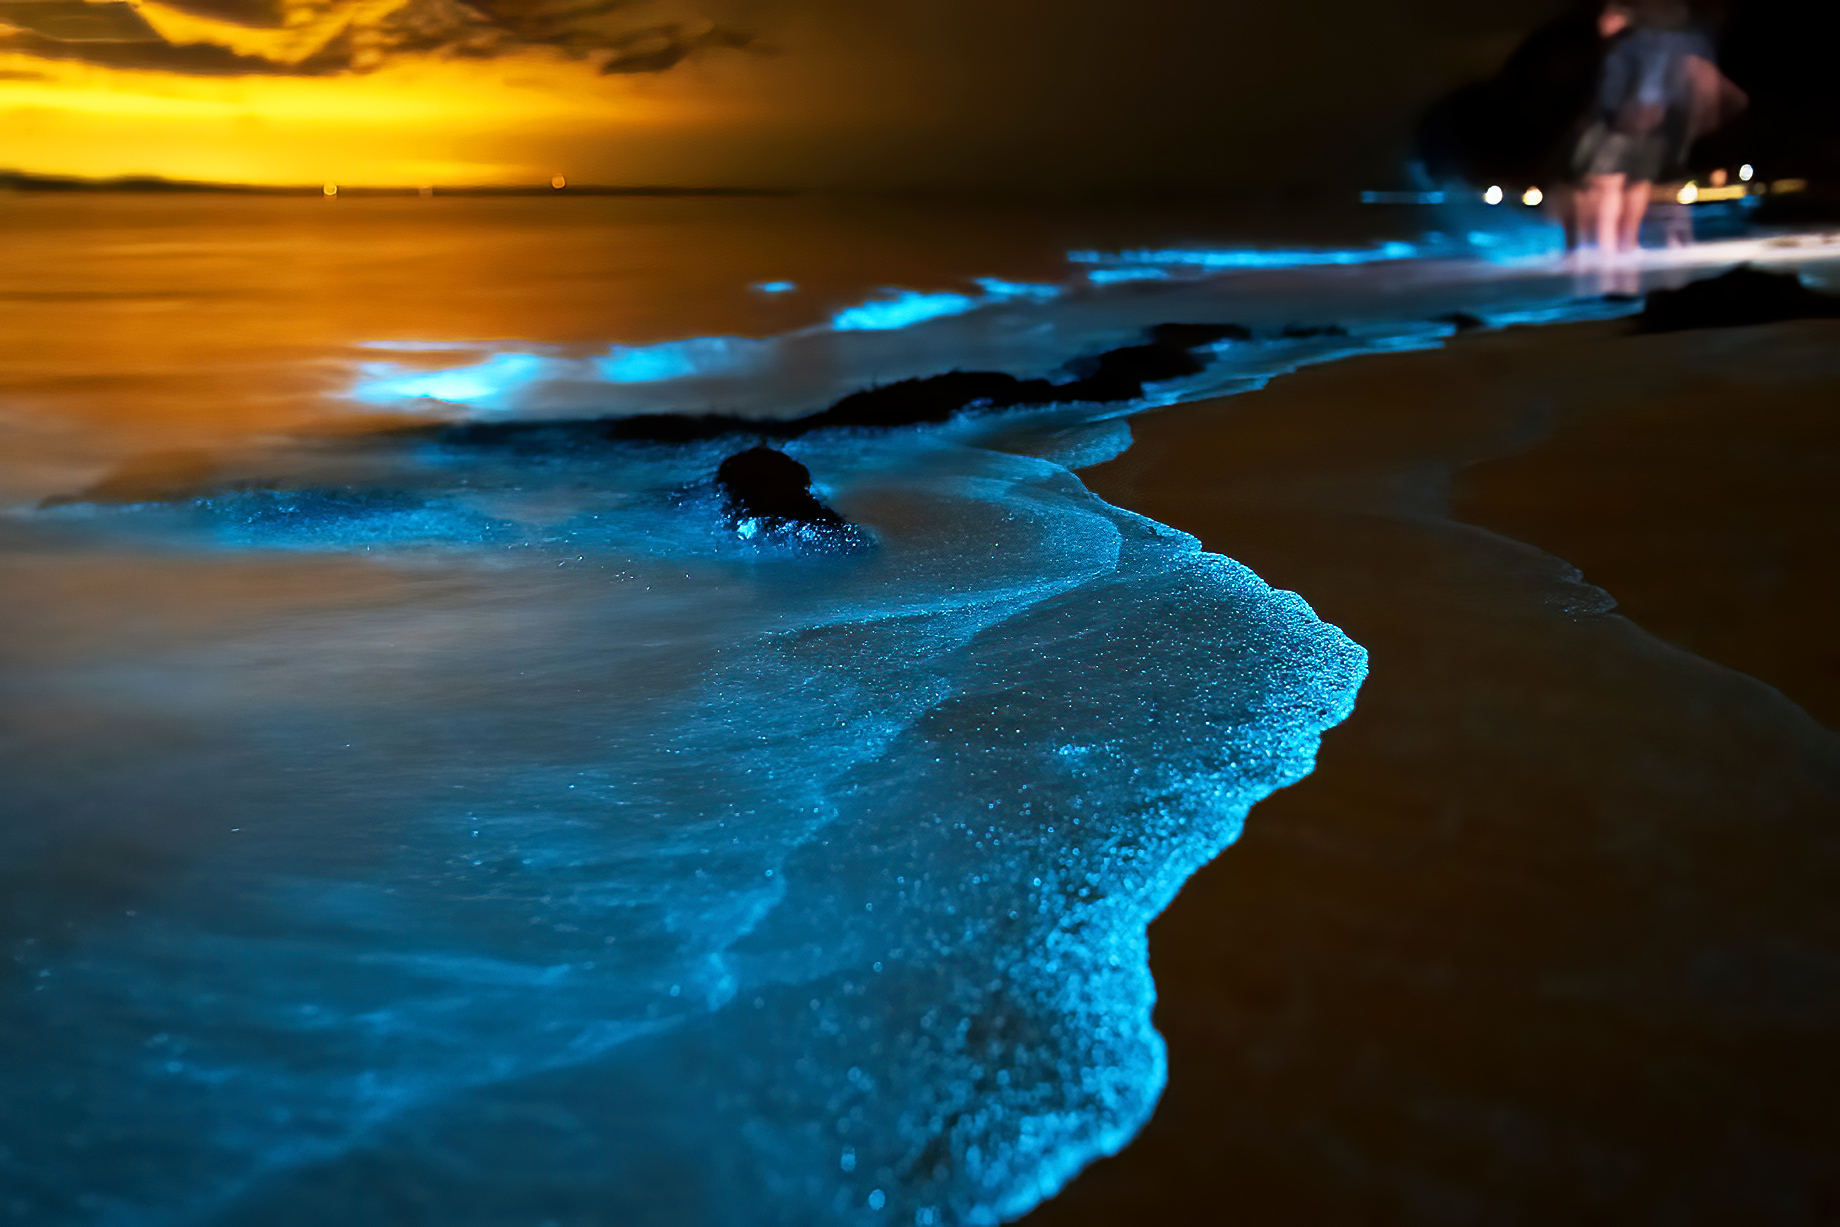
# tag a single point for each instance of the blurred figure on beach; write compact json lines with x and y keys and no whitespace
{"x":1659,"y":90}
{"x":1592,"y":109}
{"x":1520,"y":127}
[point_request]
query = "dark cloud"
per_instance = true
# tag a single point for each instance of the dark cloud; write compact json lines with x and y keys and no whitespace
{"x":256,"y":14}
{"x":74,"y":21}
{"x":322,"y":37}
{"x":663,"y":47}
{"x":198,"y":59}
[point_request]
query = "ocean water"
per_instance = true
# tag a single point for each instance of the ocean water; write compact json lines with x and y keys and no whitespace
{"x":395,"y":831}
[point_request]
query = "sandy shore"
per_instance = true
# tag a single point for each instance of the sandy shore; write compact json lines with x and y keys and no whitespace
{"x":1552,"y":935}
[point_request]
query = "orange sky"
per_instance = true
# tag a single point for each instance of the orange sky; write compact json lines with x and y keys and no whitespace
{"x":506,"y":121}
{"x":826,"y":93}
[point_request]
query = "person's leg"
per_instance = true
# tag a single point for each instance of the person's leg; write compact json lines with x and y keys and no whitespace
{"x":1584,"y":223}
{"x":1634,"y":205}
{"x":1606,"y":211}
{"x":1563,"y":201}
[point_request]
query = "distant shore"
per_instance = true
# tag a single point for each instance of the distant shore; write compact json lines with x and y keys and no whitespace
{"x":1549,"y":934}
{"x":19,"y":181}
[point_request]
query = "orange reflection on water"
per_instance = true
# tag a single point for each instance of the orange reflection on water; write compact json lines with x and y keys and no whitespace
{"x":135,"y":323}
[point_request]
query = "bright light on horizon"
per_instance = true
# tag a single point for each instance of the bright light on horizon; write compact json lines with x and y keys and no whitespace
{"x":1532,"y":196}
{"x":1493,"y":195}
{"x":405,"y":126}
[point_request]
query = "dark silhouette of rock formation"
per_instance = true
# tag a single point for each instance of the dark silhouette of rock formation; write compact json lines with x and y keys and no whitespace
{"x":1745,"y":295}
{"x":766,"y":485}
{"x":1193,"y":336}
{"x":1115,"y":375}
{"x":1462,"y":321}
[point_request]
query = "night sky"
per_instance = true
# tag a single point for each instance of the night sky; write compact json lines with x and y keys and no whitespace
{"x":1005,"y":94}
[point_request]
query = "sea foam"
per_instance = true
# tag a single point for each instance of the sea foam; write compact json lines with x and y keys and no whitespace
{"x":619,"y":871}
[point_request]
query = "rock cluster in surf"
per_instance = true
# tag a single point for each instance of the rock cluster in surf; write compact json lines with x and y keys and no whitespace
{"x":1110,"y":377}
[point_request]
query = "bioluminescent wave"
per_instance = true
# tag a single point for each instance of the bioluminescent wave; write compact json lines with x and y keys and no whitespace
{"x":598,"y":863}
{"x":473,"y":829}
{"x":897,"y":308}
{"x":1117,"y":265}
{"x":1026,"y":329}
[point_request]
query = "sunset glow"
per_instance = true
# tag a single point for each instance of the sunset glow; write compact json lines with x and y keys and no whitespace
{"x":412,"y":124}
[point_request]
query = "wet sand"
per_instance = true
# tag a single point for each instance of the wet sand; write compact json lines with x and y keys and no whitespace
{"x":1552,"y":935}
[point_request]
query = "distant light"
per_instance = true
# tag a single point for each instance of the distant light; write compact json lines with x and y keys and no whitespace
{"x":558,"y":182}
{"x":1493,"y":195}
{"x":1688,"y":193}
{"x":1746,"y":171}
{"x":1532,"y":196}
{"x":331,"y":189}
{"x":775,"y":287}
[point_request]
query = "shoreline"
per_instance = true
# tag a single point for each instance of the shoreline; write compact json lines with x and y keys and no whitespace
{"x":1546,"y":936}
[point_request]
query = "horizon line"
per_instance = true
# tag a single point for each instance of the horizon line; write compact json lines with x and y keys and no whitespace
{"x":27,"y":181}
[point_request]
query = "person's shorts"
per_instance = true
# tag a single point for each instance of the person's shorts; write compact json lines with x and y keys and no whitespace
{"x":1604,"y":151}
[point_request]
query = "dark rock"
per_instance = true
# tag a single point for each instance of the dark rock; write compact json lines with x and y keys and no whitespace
{"x":1120,"y":374}
{"x":1115,"y":375}
{"x":1193,"y":336}
{"x":768,"y":485}
{"x":1462,"y":321}
{"x":1302,"y":331}
{"x":933,"y":398}
{"x":1745,"y":295}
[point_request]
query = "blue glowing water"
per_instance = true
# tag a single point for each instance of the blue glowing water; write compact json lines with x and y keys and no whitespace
{"x":509,"y":841}
{"x":815,"y":884}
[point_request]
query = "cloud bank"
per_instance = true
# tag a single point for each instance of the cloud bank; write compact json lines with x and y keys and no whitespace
{"x":1010,"y":95}
{"x":327,"y":37}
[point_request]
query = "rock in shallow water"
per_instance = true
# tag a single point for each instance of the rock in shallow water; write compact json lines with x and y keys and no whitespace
{"x":768,"y":490}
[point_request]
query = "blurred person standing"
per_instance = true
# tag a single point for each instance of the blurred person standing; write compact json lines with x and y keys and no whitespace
{"x":1651,"y":101}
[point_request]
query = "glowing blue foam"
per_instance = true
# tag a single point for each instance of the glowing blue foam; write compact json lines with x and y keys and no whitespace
{"x":677,"y":359}
{"x":904,"y":309}
{"x":775,"y":287}
{"x":1243,"y":257}
{"x":1532,"y":239}
{"x":824,"y":882}
{"x":1001,"y":290}
{"x":485,"y":384}
{"x":1109,"y":276}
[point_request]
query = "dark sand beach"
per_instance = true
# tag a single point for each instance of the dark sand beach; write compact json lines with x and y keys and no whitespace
{"x":1550,"y":935}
